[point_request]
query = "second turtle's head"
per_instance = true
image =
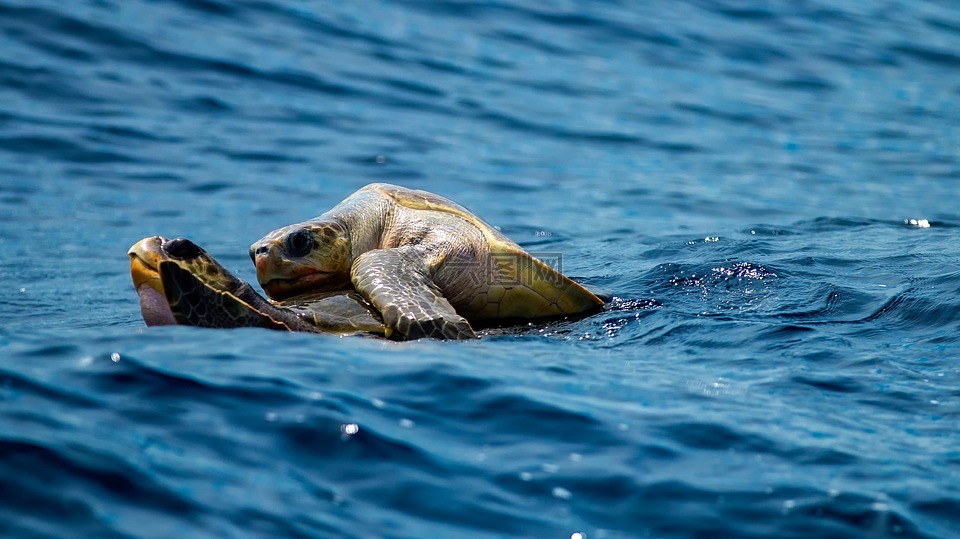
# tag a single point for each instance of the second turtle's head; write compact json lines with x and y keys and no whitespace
{"x":307,"y":257}
{"x":148,"y":258}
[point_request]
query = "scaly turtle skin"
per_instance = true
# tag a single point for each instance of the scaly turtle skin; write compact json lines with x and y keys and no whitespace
{"x":179,"y":283}
{"x":426,"y":263}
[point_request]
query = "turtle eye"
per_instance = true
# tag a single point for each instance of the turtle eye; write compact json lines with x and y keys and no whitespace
{"x":182,"y":248}
{"x":299,"y":243}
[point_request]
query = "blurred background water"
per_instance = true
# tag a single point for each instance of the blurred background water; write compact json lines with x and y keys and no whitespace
{"x":768,"y":192}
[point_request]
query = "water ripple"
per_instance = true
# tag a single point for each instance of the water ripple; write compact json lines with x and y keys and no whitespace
{"x":764,"y":195}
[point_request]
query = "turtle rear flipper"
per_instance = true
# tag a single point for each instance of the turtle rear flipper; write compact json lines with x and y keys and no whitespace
{"x":397,"y":283}
{"x":195,"y":303}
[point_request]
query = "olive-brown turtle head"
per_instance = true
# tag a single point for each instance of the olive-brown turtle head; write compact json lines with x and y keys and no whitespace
{"x":146,"y":257}
{"x":310,"y":256}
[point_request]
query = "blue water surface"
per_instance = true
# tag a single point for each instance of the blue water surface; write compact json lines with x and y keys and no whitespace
{"x":767,"y":192}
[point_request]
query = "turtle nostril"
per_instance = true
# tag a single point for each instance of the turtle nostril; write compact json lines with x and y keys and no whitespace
{"x":181,"y":248}
{"x":258,"y":251}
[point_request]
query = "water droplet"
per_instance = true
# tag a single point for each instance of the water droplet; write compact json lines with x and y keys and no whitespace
{"x":578,"y":535}
{"x":349,"y":429}
{"x":526,"y":476}
{"x":377,"y":403}
{"x":562,"y":493}
{"x":115,"y":357}
{"x":576,"y":457}
{"x":316,"y":395}
{"x":406,"y":423}
{"x":549,"y":468}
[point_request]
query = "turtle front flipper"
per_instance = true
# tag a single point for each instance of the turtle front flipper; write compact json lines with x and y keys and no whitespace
{"x":398,"y":284}
{"x":195,"y":303}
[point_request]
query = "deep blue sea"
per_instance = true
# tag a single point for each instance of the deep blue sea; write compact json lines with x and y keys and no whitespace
{"x":768,"y":192}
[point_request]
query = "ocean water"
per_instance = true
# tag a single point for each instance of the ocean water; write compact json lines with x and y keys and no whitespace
{"x":767,"y":192}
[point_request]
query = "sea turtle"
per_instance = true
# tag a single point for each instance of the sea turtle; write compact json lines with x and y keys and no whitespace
{"x":428,"y":265}
{"x":179,"y":283}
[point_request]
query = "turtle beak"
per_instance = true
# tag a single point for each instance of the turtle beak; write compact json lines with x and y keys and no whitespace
{"x":281,"y":277}
{"x":273,"y":271}
{"x":145,"y":256}
{"x":265,"y":258}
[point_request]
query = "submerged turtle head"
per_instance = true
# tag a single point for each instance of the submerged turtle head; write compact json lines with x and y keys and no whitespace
{"x":310,"y":256}
{"x":147,"y":257}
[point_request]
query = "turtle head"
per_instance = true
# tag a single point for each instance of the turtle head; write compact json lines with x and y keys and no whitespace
{"x":307,"y":257}
{"x":147,"y":259}
{"x":149,"y":254}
